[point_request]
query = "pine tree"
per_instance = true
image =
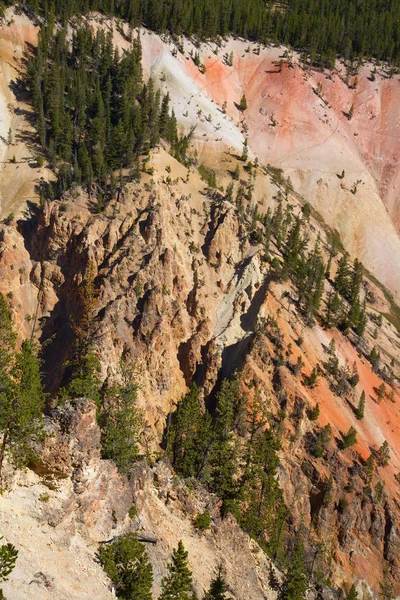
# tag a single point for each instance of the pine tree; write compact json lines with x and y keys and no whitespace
{"x":314,"y":413}
{"x":374,"y":357}
{"x":312,"y":379}
{"x":383,"y":454}
{"x":333,"y":309}
{"x":177,"y":585}
{"x":84,"y":367}
{"x":319,"y":446}
{"x":385,"y":587}
{"x":381,"y":392}
{"x":21,"y":396}
{"x":295,"y":584}
{"x":350,"y":438}
{"x":120,"y":419}
{"x":342,"y":281}
{"x":126,"y":563}
{"x":361,"y":406}
{"x":332,"y":364}
{"x":224,"y":457}
{"x":243,"y":103}
{"x":352,"y":593}
{"x":370,"y":467}
{"x":189,"y":436}
{"x":218,"y":587}
{"x":292,"y":247}
{"x":8,"y":558}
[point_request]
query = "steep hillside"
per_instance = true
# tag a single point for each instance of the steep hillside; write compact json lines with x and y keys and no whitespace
{"x":198,"y":275}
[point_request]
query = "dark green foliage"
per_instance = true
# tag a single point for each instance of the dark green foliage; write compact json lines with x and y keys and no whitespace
{"x":126,"y":563}
{"x":334,"y":309}
{"x":332,"y":364}
{"x":83,"y":370}
{"x":309,"y":277}
{"x":294,"y":244}
{"x":94,"y":113}
{"x":386,"y":591}
{"x":21,"y":396}
{"x":350,"y":438}
{"x":313,"y":413}
{"x":361,"y":406}
{"x":354,"y":378}
{"x":189,"y":436}
{"x":383,"y":454}
{"x":348,"y":285}
{"x":224,"y":458}
{"x":322,"y":440}
{"x":295,"y":584}
{"x":350,"y":29}
{"x":374,"y":357}
{"x":319,"y":447}
{"x":244,"y":475}
{"x":343,"y":277}
{"x":207,"y":175}
{"x":243,"y":103}
{"x":311,"y":380}
{"x":203,"y":520}
{"x":352,"y":593}
{"x":263,"y":513}
{"x":370,"y":468}
{"x":120,"y":419}
{"x":177,"y":585}
{"x":380,"y":392}
{"x":8,"y":558}
{"x":218,"y":587}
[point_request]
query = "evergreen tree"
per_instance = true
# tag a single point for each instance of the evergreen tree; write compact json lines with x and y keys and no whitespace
{"x":352,"y":593}
{"x":84,"y":368}
{"x":293,"y":246}
{"x":218,"y":587}
{"x":263,"y":514}
{"x":319,"y":447}
{"x":8,"y":558}
{"x":295,"y":584}
{"x":126,"y":563}
{"x":189,"y":436}
{"x":224,"y":457}
{"x":361,"y":406}
{"x":314,"y":412}
{"x":385,"y":587}
{"x":177,"y":585}
{"x":383,"y":454}
{"x":350,"y":438}
{"x":374,"y":357}
{"x":120,"y":420}
{"x":370,"y":467}
{"x":333,"y":310}
{"x":342,"y":281}
{"x":21,"y":396}
{"x":380,"y":392}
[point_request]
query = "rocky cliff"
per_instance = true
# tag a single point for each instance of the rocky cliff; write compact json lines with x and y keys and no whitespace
{"x":184,"y":285}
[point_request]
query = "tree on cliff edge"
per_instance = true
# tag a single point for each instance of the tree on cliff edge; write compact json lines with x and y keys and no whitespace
{"x":177,"y":585}
{"x":295,"y":585}
{"x":21,"y":396}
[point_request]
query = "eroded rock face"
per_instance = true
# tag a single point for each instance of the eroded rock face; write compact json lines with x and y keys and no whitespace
{"x":185,"y":289}
{"x":74,"y":500}
{"x":182,"y":286}
{"x":72,"y":451}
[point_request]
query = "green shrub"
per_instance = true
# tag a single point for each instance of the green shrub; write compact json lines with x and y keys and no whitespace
{"x":203,"y":521}
{"x":126,"y":563}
